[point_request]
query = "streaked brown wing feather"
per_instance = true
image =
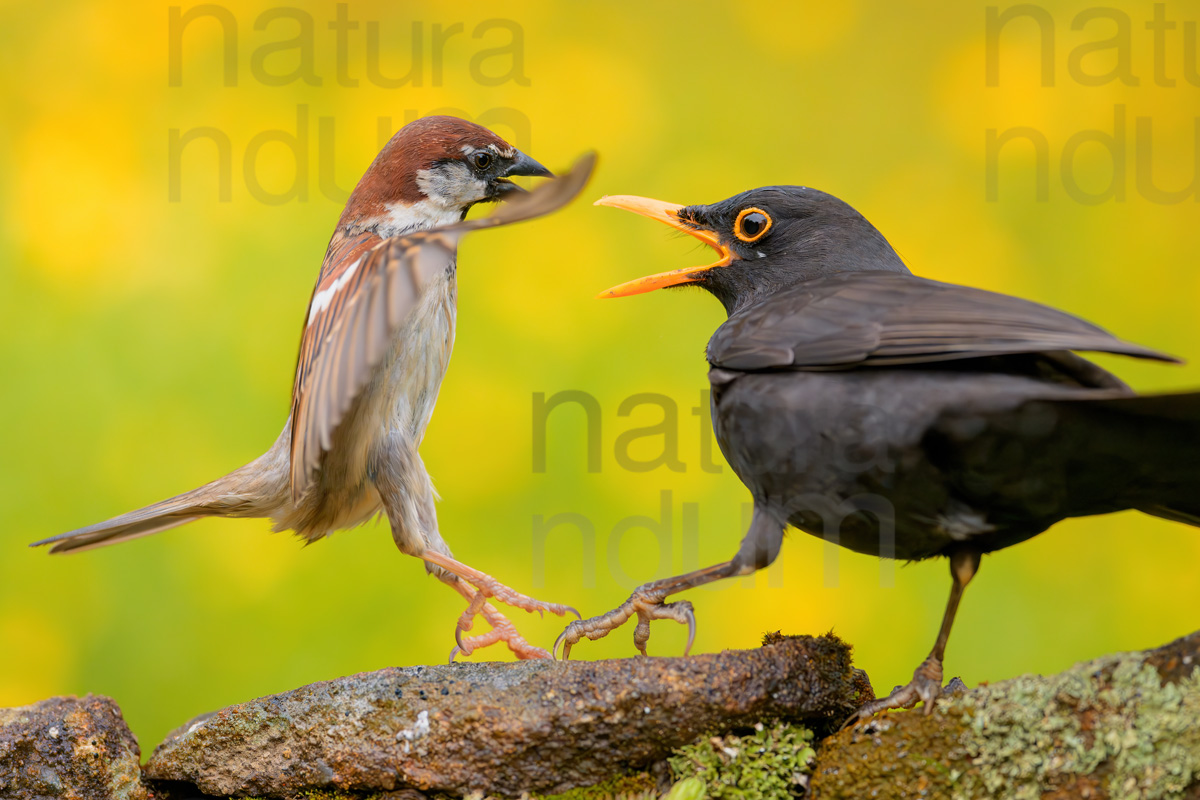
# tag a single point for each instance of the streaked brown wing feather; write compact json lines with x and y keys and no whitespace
{"x":887,"y":318}
{"x":348,"y":337}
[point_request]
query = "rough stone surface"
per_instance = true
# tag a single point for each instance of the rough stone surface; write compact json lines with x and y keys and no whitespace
{"x":504,"y":728}
{"x":1121,"y":726}
{"x":68,"y":747}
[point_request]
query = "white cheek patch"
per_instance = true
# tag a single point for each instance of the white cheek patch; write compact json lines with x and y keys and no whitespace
{"x":402,"y":218}
{"x":323,"y":298}
{"x":451,"y":184}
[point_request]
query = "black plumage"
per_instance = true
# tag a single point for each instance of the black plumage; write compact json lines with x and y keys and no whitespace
{"x":899,"y":416}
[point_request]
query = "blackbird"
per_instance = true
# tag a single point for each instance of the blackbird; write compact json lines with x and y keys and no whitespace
{"x":899,"y":416}
{"x":376,"y":343}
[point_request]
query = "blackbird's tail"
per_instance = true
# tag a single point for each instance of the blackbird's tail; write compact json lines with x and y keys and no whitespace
{"x":1188,"y":516}
{"x":1076,"y":456}
{"x":1161,"y":437}
{"x":1175,"y":418}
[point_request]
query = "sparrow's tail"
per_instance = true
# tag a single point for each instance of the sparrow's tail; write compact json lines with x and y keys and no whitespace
{"x":241,"y":493}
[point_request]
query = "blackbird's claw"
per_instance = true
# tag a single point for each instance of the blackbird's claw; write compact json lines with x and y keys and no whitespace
{"x":925,"y":687}
{"x":646,"y":603}
{"x":558,"y":641}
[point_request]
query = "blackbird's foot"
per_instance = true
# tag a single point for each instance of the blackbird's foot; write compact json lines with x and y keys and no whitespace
{"x":486,"y":587}
{"x":925,"y":686}
{"x":646,"y":603}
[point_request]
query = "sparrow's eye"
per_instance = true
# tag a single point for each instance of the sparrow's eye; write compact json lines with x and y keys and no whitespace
{"x":751,"y":224}
{"x":482,"y":159}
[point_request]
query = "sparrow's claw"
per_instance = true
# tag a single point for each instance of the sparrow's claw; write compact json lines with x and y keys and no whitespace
{"x":463,"y":578}
{"x":647,"y":604}
{"x":925,"y":687}
{"x":502,"y":631}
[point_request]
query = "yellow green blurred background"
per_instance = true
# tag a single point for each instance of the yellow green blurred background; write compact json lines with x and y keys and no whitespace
{"x":149,"y":341}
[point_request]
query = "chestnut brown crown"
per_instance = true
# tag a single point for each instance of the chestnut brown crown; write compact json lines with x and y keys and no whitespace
{"x":431,"y":172}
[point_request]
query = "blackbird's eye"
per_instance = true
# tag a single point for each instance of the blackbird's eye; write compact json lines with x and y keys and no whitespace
{"x":481,"y":159}
{"x":751,"y":224}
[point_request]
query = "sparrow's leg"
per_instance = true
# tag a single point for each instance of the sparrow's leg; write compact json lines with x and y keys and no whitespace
{"x":478,"y":588}
{"x":407,"y":495}
{"x":926,"y":684}
{"x":647,"y":604}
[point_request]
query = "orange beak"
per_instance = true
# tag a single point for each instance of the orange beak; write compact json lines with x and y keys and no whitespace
{"x":668,"y":213}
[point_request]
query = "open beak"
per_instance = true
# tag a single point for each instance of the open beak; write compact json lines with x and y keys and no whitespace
{"x":524,"y":166}
{"x":668,"y":213}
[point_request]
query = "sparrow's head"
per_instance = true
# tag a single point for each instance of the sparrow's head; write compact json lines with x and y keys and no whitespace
{"x":431,"y":172}
{"x":766,"y":239}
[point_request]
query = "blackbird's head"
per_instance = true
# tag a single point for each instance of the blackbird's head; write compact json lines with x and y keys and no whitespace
{"x":766,"y":239}
{"x":431,"y":173}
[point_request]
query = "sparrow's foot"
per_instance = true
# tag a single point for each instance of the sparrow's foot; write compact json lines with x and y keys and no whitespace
{"x":485,"y":587}
{"x":502,"y":631}
{"x":647,"y":604}
{"x":925,"y":687}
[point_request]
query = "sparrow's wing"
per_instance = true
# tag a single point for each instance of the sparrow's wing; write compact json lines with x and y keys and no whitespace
{"x":886,"y":318}
{"x":359,"y":306}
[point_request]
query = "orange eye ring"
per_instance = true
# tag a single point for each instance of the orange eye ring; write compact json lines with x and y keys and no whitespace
{"x":739,"y":225}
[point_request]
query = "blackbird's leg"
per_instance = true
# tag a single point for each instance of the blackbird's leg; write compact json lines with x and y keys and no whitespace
{"x":926,"y":684}
{"x":759,"y":548}
{"x":478,"y":587}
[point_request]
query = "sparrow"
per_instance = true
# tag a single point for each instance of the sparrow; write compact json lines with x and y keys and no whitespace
{"x":376,"y":343}
{"x":899,"y":416}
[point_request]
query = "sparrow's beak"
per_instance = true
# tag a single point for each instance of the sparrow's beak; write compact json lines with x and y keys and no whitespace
{"x":668,"y":213}
{"x":524,"y":166}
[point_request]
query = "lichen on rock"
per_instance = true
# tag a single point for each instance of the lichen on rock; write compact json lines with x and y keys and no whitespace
{"x":1120,"y":726}
{"x":1113,"y":718}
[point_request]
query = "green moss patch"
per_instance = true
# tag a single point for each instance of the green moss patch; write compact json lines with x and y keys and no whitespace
{"x":770,"y":763}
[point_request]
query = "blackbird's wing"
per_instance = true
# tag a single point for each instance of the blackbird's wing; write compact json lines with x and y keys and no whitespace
{"x":367,"y":290}
{"x":886,"y":318}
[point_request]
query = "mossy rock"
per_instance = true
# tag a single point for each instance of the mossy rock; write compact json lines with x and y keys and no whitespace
{"x":767,"y":763}
{"x":1116,"y":727}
